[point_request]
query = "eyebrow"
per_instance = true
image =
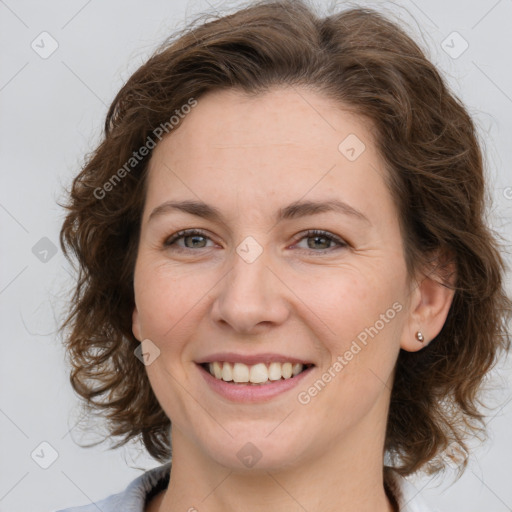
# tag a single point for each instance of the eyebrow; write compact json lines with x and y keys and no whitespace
{"x":292,"y":211}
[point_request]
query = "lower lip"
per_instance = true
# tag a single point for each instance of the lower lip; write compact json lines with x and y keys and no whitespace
{"x":252,"y":392}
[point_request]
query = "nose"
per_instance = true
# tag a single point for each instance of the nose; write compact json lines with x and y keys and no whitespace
{"x":251,"y":297}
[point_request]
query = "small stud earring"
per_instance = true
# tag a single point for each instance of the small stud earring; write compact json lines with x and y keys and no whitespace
{"x":420,"y":337}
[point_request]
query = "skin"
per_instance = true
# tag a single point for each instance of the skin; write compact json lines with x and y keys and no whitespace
{"x":302,"y":297}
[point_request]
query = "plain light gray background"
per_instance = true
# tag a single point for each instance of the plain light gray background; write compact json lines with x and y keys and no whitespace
{"x":52,"y":109}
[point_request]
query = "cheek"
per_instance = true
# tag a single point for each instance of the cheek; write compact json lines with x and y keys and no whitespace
{"x":167,"y":300}
{"x":350,"y":301}
{"x":364,"y":314}
{"x":168,"y":307}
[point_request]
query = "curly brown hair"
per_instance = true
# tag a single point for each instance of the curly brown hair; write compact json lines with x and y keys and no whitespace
{"x":430,"y":147}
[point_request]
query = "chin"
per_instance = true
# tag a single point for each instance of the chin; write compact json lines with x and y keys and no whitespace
{"x":256,"y":452}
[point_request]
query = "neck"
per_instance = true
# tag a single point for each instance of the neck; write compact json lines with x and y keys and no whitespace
{"x":347,"y":477}
{"x":343,"y":474}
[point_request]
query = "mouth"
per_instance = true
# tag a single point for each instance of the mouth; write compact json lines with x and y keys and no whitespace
{"x":256,"y":374}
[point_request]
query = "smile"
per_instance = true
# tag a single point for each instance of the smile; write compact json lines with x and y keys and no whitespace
{"x":258,"y":379}
{"x":260,"y":373}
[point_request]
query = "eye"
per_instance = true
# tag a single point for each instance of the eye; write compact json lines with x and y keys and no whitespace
{"x":193,"y":235}
{"x":320,"y":237}
{"x":198,"y":239}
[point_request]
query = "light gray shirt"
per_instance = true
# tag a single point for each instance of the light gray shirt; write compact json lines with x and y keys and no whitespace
{"x":150,"y":483}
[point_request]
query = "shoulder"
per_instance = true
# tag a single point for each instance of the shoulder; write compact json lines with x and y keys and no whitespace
{"x":408,"y":496}
{"x":134,"y":497}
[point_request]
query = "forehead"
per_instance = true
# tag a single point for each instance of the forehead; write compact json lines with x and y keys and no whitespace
{"x":279,"y":117}
{"x":286,"y":142}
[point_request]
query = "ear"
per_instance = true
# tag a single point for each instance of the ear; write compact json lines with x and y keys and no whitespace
{"x":136,"y":329}
{"x":431,"y":298}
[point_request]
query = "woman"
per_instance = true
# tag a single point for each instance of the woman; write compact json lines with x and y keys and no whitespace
{"x":285,"y":271}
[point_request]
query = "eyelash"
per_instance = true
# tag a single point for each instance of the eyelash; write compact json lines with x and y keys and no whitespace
{"x":168,"y":243}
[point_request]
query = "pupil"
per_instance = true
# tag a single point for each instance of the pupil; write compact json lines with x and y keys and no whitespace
{"x":194,"y":238}
{"x":317,"y":238}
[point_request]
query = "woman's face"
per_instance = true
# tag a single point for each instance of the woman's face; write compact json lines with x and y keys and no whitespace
{"x":254,"y":288}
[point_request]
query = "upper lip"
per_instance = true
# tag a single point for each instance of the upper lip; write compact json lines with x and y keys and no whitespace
{"x":251,"y":359}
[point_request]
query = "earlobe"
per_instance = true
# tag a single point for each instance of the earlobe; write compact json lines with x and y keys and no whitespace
{"x":430,"y":305}
{"x":135,"y":324}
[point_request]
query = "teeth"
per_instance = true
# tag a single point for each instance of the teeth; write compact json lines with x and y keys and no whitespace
{"x":274,"y":371}
{"x":240,"y":372}
{"x":217,"y":370}
{"x":286,"y":370}
{"x":227,"y":372}
{"x":255,"y":374}
{"x":258,"y":373}
{"x":296,"y":369}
